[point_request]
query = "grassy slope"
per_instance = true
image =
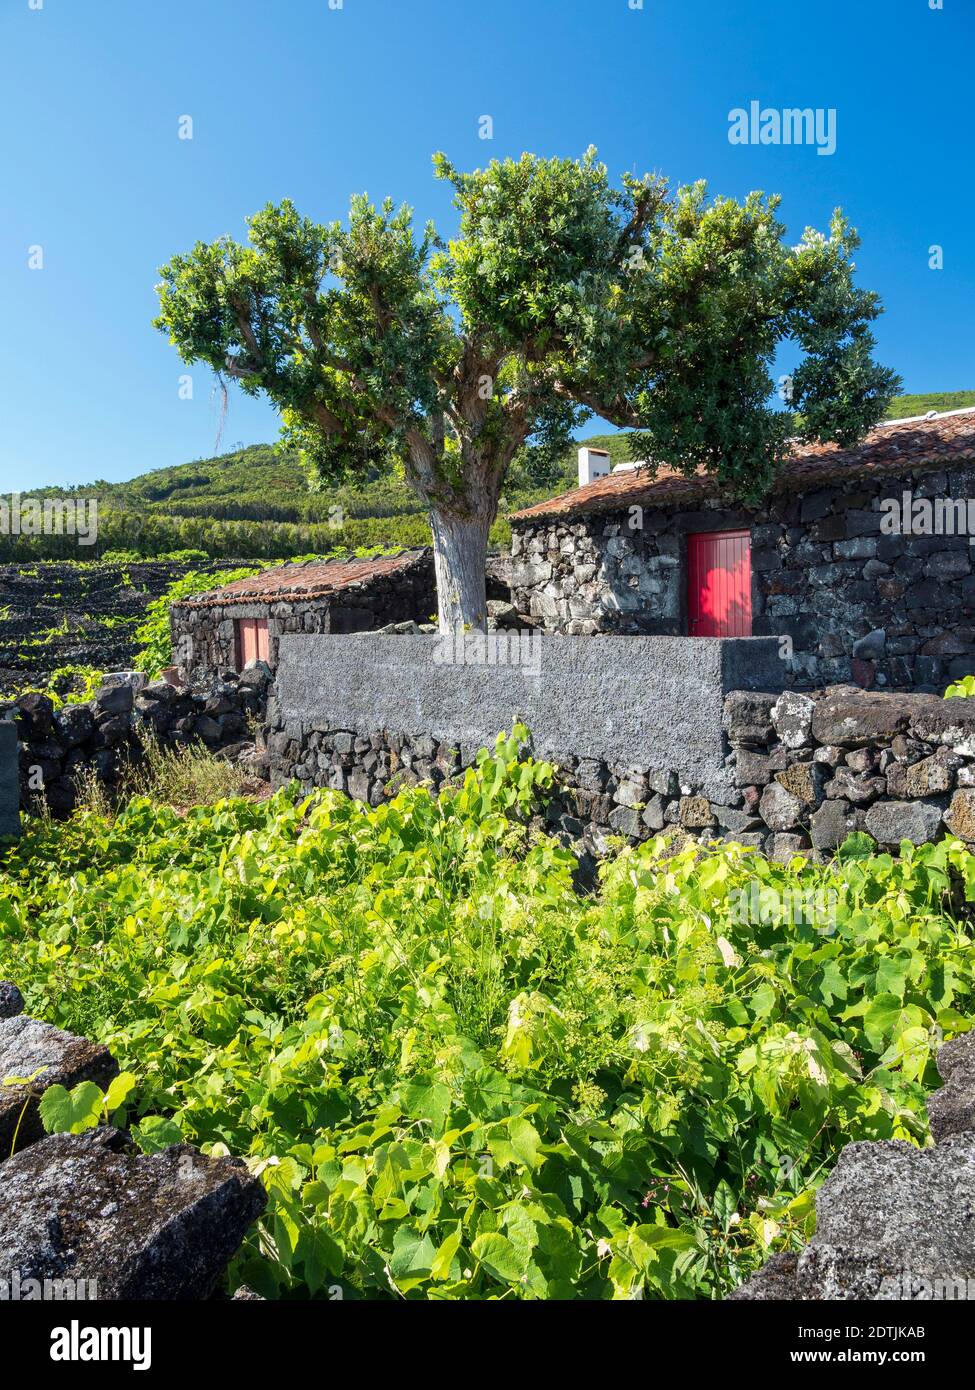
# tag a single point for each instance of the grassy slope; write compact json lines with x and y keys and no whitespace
{"x":904,"y":406}
{"x":253,"y":483}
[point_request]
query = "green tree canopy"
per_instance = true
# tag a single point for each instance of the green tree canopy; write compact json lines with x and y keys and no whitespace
{"x":561,"y":297}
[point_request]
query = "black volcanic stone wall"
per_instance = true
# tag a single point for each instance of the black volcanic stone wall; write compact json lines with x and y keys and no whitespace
{"x":808,"y":770}
{"x":882,"y":610}
{"x":101,"y":737}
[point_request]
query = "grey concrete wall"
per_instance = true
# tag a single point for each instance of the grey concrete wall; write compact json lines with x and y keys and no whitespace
{"x":647,"y":701}
{"x":9,"y":783}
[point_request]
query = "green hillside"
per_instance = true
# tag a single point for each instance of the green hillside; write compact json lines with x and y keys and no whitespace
{"x":254,"y":503}
{"x":904,"y":406}
{"x":262,"y":484}
{"x":259,"y":483}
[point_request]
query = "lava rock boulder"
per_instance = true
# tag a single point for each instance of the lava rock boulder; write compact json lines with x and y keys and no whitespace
{"x":91,"y":1207}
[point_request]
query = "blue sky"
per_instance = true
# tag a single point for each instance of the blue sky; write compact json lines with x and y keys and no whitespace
{"x":297,"y":99}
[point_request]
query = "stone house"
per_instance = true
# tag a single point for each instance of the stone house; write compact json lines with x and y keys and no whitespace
{"x":859,"y":559}
{"x":225,"y":628}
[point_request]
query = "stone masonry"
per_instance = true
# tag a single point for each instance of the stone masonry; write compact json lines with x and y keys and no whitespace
{"x":358,"y":596}
{"x":805,"y":772}
{"x":854,"y":601}
{"x":56,"y":749}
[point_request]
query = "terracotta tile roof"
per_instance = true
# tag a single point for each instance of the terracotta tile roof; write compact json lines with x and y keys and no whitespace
{"x":901,"y":446}
{"x":310,"y":579}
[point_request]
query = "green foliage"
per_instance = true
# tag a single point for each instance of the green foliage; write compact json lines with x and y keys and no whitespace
{"x":179,"y":557}
{"x":67,"y":685}
{"x":74,"y":685}
{"x":85,"y":1105}
{"x":262,"y":483}
{"x":964,"y":686}
{"x":459,"y":1078}
{"x":653,"y":309}
{"x":903,"y":406}
{"x":158,"y":535}
{"x":189,"y":775}
{"x":561,"y":297}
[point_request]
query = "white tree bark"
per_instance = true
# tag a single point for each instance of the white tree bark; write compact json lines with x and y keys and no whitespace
{"x":460,"y":556}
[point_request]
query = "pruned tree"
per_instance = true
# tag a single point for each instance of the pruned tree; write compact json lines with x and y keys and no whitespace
{"x":560,"y":298}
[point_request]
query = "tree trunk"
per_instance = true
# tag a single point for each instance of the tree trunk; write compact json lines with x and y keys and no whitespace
{"x":460,"y":556}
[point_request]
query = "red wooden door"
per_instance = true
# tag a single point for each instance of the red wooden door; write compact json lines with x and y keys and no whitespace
{"x":251,"y":641}
{"x":719,"y":584}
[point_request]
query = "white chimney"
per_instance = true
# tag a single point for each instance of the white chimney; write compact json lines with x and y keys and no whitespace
{"x":593,"y":463}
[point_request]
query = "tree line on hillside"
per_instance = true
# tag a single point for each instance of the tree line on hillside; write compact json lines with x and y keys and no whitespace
{"x":149,"y":536}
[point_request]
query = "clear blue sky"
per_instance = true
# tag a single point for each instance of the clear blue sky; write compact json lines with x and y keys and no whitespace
{"x":291,"y":98}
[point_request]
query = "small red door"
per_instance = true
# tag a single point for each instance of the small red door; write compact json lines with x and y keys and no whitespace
{"x":719,"y":584}
{"x":251,"y":641}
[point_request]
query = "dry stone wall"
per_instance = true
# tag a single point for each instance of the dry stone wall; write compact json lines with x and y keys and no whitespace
{"x":58,"y":749}
{"x":816,"y":767}
{"x":801,"y":773}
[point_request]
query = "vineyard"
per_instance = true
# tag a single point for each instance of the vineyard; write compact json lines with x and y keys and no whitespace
{"x":63,"y":624}
{"x":459,"y":1076}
